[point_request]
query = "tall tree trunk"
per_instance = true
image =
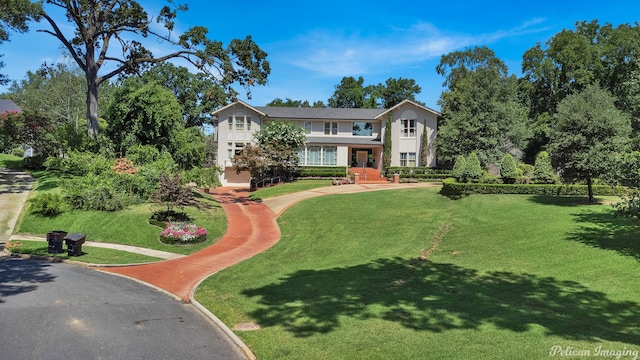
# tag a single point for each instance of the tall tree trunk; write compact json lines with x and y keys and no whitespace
{"x":590,"y":188}
{"x":92,"y":107}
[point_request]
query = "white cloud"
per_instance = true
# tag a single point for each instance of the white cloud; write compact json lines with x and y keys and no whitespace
{"x":331,"y":53}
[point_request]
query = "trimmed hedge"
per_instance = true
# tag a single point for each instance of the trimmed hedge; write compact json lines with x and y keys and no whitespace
{"x":453,"y":189}
{"x":404,"y":170}
{"x":322,"y":171}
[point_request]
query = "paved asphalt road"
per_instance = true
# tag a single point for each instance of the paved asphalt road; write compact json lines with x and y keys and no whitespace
{"x":61,"y":311}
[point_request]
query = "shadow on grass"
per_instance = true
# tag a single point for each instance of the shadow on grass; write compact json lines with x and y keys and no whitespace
{"x":564,"y":200}
{"x":605,"y":230}
{"x":427,"y":296}
{"x":20,"y":276}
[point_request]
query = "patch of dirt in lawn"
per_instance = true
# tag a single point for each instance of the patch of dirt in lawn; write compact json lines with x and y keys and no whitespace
{"x":248,"y":326}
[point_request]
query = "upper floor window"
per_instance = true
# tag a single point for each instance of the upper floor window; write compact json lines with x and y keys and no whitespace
{"x":331,"y":128}
{"x":239,"y":122}
{"x":307,"y":127}
{"x":362,"y":129}
{"x":407,"y":128}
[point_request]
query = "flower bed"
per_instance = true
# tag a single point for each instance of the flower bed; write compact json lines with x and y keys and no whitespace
{"x":183,"y":233}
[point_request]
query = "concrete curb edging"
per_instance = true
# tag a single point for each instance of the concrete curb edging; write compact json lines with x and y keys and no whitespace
{"x":232,"y":336}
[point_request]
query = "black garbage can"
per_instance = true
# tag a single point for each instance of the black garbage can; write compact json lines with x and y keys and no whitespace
{"x":74,"y":243}
{"x":55,"y":238}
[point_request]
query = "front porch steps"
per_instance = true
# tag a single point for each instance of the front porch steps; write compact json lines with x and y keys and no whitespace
{"x":370,"y":175}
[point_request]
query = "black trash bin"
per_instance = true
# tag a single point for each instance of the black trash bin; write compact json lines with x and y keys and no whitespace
{"x":74,"y":243}
{"x":55,"y":238}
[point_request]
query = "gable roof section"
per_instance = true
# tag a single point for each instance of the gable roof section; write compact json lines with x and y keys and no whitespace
{"x":8,"y":106}
{"x":436,"y":113}
{"x":235,"y":104}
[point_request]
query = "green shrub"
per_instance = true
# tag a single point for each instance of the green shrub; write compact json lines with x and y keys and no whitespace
{"x":17,"y":152}
{"x":459,"y":168}
{"x":454,"y":189}
{"x":473,"y":169}
{"x":48,"y":204}
{"x":508,"y":169}
{"x":98,"y":192}
{"x":419,"y":170}
{"x":322,"y":171}
{"x":206,"y":178}
{"x":543,"y":172}
{"x":143,"y":154}
{"x":79,"y":163}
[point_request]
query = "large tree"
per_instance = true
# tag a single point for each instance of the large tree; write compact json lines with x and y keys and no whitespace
{"x":394,"y":91}
{"x":480,"y":107}
{"x":101,"y":28}
{"x":197,"y":94}
{"x":589,"y":136}
{"x":573,"y":59}
{"x":14,"y":16}
{"x":348,"y":94}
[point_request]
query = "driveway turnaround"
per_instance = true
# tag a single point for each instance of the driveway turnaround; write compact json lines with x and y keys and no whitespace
{"x":63,"y":311}
{"x":251,"y":229}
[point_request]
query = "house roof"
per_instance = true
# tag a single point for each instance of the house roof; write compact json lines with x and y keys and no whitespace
{"x":275,"y":112}
{"x":8,"y":106}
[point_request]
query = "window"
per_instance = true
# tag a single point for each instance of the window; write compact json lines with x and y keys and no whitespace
{"x":331,"y":128}
{"x":408,"y":159}
{"x":307,"y":127}
{"x":330,"y":155}
{"x":318,"y":155}
{"x":362,"y":129}
{"x":240,"y":121}
{"x":313,"y":155}
{"x":408,"y":128}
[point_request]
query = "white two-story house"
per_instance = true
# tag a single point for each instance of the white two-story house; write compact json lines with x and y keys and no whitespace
{"x":335,"y":137}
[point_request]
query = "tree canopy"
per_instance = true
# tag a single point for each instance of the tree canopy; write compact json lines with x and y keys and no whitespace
{"x":589,"y":136}
{"x":14,"y":16}
{"x":102,"y":29}
{"x":480,"y":108}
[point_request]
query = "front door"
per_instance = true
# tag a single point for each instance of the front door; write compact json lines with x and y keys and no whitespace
{"x":362,"y":157}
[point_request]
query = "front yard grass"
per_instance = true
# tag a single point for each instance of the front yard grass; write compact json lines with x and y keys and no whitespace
{"x":288,"y":188}
{"x":90,"y":254}
{"x":130,"y":226}
{"x":410,"y":274}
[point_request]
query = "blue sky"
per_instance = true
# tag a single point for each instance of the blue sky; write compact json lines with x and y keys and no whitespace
{"x":312,"y":45}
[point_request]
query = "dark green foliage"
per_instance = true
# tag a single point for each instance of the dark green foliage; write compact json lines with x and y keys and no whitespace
{"x":142,"y":154}
{"x":97,"y":192}
{"x":404,"y":170}
{"x":172,"y":193}
{"x":508,"y":169}
{"x":473,"y":169}
{"x":48,"y":204}
{"x":588,"y":136}
{"x":188,"y":148}
{"x":459,"y":168}
{"x":322,"y":171}
{"x":205,"y":178}
{"x":387,"y":146}
{"x":453,"y":189}
{"x":480,"y":108}
{"x":79,"y":163}
{"x":543,"y":172}
{"x":424,"y":147}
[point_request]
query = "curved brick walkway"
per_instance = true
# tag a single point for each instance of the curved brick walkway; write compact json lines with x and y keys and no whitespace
{"x":251,"y":229}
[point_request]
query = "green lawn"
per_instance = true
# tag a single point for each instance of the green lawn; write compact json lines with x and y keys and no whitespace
{"x":507,"y":277}
{"x":90,"y":254}
{"x":288,"y":188}
{"x":10,"y":162}
{"x":129,"y":226}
